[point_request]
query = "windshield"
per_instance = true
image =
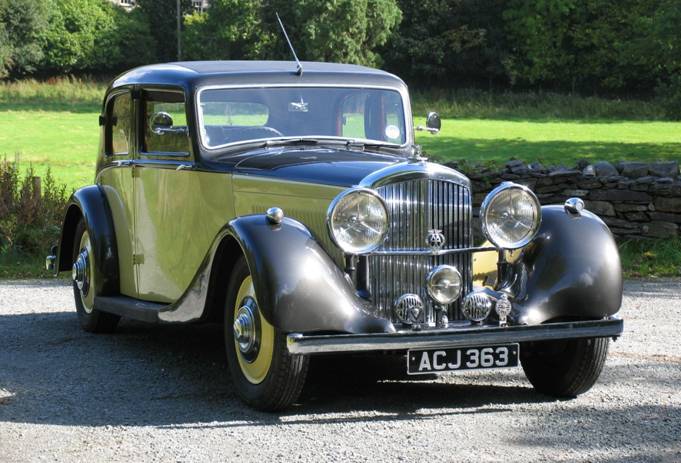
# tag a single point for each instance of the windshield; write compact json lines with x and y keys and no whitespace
{"x":237,"y":115}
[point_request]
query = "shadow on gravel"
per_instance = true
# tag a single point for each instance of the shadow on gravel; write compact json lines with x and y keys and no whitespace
{"x":53,"y":373}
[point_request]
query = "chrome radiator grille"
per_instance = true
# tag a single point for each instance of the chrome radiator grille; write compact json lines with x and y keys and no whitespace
{"x":415,"y":207}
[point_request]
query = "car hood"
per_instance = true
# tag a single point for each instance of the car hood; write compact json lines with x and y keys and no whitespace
{"x":329,"y":166}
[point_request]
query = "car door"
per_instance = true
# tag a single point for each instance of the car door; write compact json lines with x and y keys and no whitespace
{"x":115,"y":179}
{"x":179,"y":209}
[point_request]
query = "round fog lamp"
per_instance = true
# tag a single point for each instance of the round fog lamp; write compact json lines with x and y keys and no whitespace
{"x":444,"y":284}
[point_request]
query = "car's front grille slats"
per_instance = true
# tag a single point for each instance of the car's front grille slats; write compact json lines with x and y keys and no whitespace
{"x":415,"y":207}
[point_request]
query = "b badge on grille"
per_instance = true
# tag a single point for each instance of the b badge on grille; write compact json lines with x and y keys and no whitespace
{"x":435,"y":239}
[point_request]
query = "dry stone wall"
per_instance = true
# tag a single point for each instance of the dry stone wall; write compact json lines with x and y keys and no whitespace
{"x":635,"y":199}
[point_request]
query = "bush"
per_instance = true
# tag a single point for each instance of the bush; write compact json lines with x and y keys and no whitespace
{"x":30,"y":219}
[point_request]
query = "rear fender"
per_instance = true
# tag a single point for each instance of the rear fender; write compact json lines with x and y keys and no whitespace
{"x":90,"y":203}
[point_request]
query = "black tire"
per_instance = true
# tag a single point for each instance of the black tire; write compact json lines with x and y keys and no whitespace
{"x":94,"y":321}
{"x":286,"y":376}
{"x":565,"y":368}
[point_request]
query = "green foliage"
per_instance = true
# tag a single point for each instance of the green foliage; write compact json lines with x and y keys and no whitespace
{"x":646,"y":258}
{"x":161,"y":18}
{"x":597,"y":44}
{"x":667,"y":44}
{"x":94,"y":36}
{"x":21,"y":22}
{"x":342,"y":31}
{"x":30,"y":218}
{"x":439,"y":39}
{"x":71,"y":38}
{"x":346,"y":31}
{"x":233,"y":30}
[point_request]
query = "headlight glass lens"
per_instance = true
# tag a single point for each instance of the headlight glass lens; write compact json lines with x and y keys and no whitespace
{"x":511,"y":215}
{"x":444,"y":284}
{"x":358,"y":221}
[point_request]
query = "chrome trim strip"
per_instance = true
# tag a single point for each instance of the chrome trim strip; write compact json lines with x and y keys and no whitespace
{"x":410,"y":170}
{"x":453,"y":337}
{"x":429,"y":252}
{"x":404,"y":94}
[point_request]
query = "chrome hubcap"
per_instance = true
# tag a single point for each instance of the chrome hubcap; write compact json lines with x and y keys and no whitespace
{"x":246,"y":328}
{"x":80,"y":272}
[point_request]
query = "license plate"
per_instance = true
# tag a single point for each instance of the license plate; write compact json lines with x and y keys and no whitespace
{"x":429,"y":361}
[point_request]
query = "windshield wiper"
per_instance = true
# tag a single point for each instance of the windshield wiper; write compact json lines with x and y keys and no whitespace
{"x":351,"y":143}
{"x":291,"y":141}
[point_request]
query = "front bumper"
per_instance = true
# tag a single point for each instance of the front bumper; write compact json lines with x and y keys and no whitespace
{"x":453,"y":337}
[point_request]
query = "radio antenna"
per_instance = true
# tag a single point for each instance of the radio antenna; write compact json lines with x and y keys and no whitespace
{"x":299,"y":70}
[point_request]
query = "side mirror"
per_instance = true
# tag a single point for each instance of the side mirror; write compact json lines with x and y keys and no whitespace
{"x":162,"y":123}
{"x":433,"y":122}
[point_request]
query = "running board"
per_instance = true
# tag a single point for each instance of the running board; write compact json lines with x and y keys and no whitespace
{"x":129,"y":307}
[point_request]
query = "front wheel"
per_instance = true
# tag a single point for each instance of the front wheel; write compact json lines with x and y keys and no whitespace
{"x":264,"y":374}
{"x":564,"y":368}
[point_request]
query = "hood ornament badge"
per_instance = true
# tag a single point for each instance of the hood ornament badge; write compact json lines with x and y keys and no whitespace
{"x":435,"y":239}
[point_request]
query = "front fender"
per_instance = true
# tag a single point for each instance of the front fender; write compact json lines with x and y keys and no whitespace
{"x":571,"y":270}
{"x":90,"y":203}
{"x":299,"y":287}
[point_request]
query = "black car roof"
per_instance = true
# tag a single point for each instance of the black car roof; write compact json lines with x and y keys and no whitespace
{"x":190,"y":74}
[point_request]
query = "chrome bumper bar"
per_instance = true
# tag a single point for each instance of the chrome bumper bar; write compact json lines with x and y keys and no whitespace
{"x":452,"y":337}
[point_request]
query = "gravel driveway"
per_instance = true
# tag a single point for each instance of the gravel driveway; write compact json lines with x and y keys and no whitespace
{"x":162,"y":393}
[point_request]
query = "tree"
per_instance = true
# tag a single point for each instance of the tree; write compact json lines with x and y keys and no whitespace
{"x":445,"y":41}
{"x":70,"y":40}
{"x":347,"y":31}
{"x":331,"y":30}
{"x":231,"y":29}
{"x":21,"y":49}
{"x":161,"y":16}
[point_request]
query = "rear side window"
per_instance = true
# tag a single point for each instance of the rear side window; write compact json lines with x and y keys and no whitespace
{"x":119,"y":123}
{"x":172,"y":139}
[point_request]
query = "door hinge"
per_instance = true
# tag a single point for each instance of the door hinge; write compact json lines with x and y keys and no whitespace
{"x":137,"y":259}
{"x":135,"y":171}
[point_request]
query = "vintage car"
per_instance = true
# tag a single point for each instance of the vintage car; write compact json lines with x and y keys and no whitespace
{"x":291,"y":204}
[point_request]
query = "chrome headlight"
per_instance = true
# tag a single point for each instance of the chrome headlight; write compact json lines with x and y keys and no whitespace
{"x":444,"y":284}
{"x":358,"y":220}
{"x":510,"y":215}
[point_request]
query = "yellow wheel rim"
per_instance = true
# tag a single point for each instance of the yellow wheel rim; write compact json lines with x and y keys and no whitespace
{"x":254,"y":364}
{"x":87,"y":294}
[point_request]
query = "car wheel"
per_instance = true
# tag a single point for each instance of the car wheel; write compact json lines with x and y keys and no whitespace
{"x":264,"y":374}
{"x":564,"y":368}
{"x":83,"y":274}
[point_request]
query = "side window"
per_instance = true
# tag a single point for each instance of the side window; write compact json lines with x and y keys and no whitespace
{"x":171,"y":138}
{"x":118,"y":126}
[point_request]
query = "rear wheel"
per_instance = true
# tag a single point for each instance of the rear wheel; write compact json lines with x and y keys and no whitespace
{"x":564,"y":368}
{"x":264,"y":374}
{"x":84,"y":280}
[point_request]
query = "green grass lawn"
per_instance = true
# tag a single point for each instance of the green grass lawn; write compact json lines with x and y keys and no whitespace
{"x":67,"y":141}
{"x":56,"y":125}
{"x":554,"y":142}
